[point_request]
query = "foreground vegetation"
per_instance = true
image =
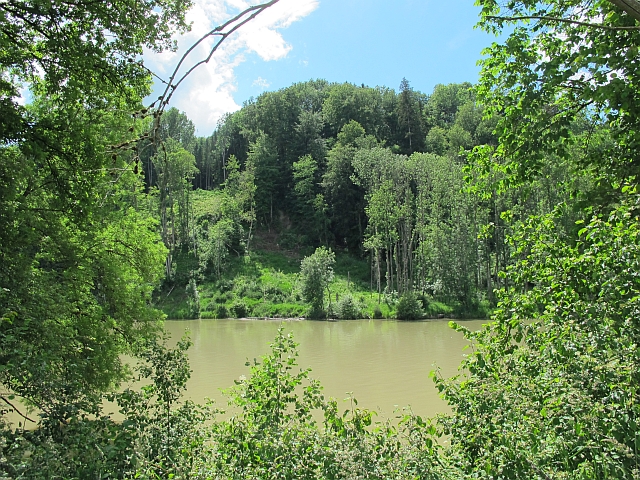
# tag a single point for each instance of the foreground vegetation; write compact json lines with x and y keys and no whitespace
{"x":276,"y":435}
{"x":520,"y":192}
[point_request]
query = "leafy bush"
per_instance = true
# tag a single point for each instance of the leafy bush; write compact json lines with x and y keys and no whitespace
{"x":552,"y":384}
{"x":276,"y":434}
{"x":314,"y":314}
{"x":377,"y":313}
{"x":289,"y":240}
{"x":347,"y":308}
{"x":408,"y":307}
{"x":239,"y":309}
{"x":222,"y":297}
{"x":249,"y":289}
{"x":225,"y":285}
{"x":160,"y":437}
{"x":221,"y":311}
{"x":275,"y":294}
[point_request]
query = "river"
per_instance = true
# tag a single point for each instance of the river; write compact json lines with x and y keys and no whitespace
{"x":384,"y":363}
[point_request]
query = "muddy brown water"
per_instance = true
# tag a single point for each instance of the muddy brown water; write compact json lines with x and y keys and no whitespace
{"x":384,"y":364}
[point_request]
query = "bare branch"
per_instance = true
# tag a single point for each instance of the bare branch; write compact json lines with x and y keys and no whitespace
{"x":223,"y":31}
{"x":6,"y":400}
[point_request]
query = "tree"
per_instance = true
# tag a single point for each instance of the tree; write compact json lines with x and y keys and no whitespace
{"x":562,"y":61}
{"x":555,"y":374}
{"x":309,"y":130}
{"x":79,"y":257}
{"x":552,"y":383}
{"x":78,"y":262}
{"x":442,"y":106}
{"x":311,"y":204}
{"x":348,"y":102}
{"x":316,"y":272}
{"x":345,"y":199}
{"x":175,"y":168}
{"x":409,"y":111}
{"x":268,"y":177}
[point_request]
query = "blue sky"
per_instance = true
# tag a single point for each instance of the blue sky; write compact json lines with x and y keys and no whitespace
{"x":375,"y":42}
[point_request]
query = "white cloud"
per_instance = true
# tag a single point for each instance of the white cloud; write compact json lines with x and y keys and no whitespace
{"x":207,"y":94}
{"x":261,"y":83}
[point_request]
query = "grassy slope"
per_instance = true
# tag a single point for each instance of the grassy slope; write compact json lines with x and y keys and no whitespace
{"x":266,"y":285}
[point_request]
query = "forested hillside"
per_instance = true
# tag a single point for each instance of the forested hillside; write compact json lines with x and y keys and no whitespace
{"x":373,"y":172}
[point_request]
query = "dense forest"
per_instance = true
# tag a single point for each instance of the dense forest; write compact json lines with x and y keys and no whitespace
{"x":516,"y":195}
{"x":380,"y":174}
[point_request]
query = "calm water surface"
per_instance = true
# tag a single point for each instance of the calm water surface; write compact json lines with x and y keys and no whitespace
{"x":385,"y":363}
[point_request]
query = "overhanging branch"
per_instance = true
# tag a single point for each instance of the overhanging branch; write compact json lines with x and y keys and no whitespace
{"x":15,"y":409}
{"x":223,"y":31}
{"x":562,"y":20}
{"x":156,"y":109}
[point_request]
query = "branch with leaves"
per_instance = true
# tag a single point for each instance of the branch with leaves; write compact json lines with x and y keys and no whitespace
{"x":552,"y":20}
{"x":15,"y":409}
{"x":631,"y":7}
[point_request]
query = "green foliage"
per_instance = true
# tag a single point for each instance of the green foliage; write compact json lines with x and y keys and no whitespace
{"x":324,"y":159}
{"x":410,"y":121}
{"x":552,"y":79}
{"x":347,"y":308}
{"x":193,"y":299}
{"x":239,"y":309}
{"x":316,"y":273}
{"x":443,"y":104}
{"x":276,"y":435}
{"x":285,"y":429}
{"x":279,"y":310}
{"x":437,"y":309}
{"x":552,"y":382}
{"x":79,"y":260}
{"x":409,"y":307}
{"x":76,"y":305}
{"x":81,"y":43}
{"x":221,"y":311}
{"x":269,"y":285}
{"x":160,"y":436}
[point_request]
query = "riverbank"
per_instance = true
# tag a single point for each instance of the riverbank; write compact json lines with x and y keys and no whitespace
{"x":266,"y":284}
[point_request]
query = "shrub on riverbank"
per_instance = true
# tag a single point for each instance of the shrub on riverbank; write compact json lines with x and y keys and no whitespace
{"x":409,"y":307}
{"x":347,"y":308}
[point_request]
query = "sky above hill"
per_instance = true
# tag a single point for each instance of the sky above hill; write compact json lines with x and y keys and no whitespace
{"x":370,"y":42}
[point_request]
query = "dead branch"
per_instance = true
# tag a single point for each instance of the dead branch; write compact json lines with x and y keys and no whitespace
{"x":15,"y":409}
